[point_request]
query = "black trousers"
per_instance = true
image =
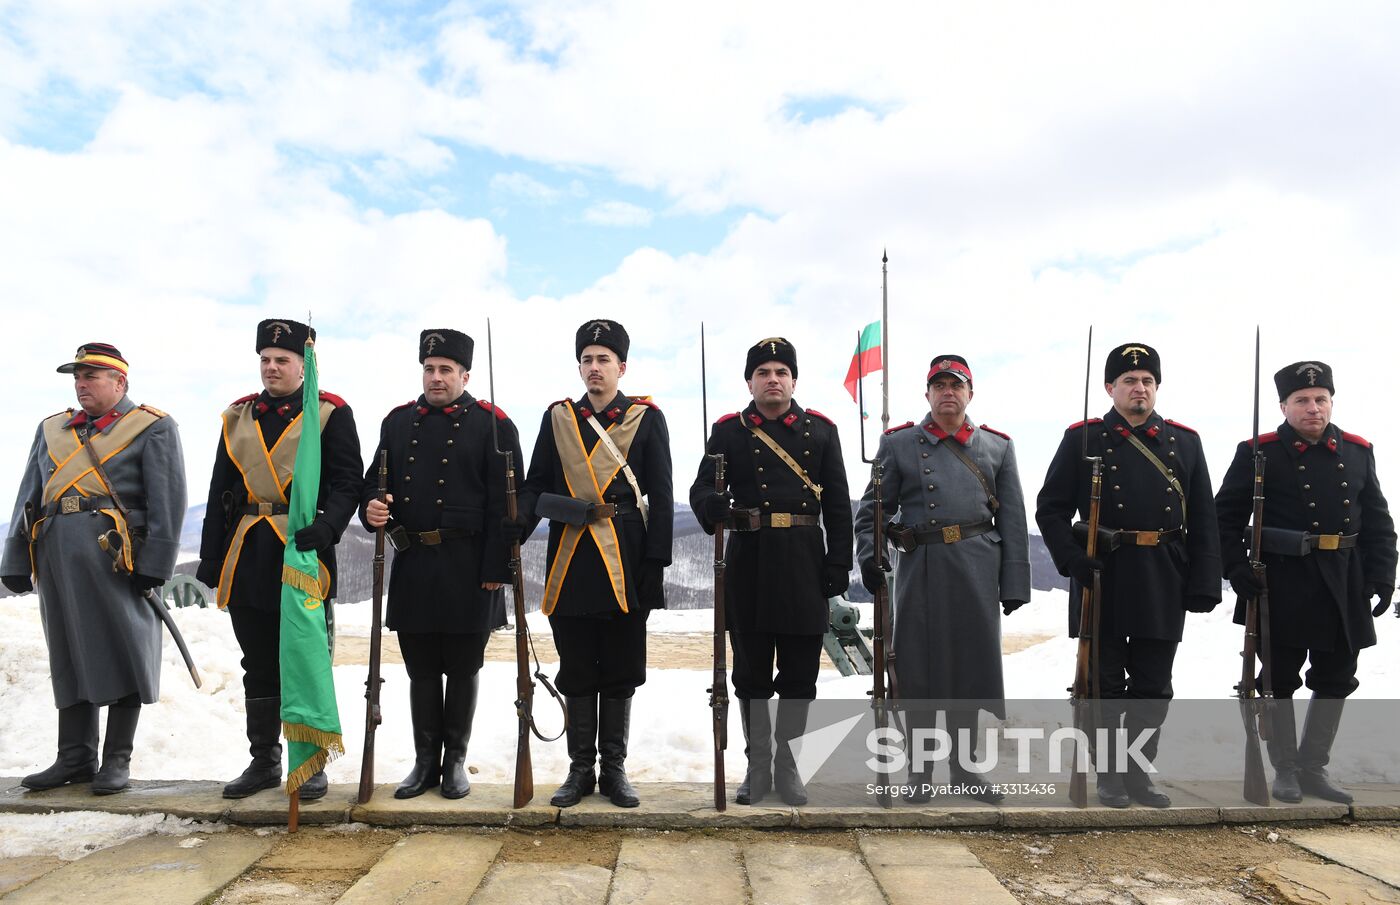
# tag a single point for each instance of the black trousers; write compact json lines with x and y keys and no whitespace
{"x":258,"y":632}
{"x":1331,"y":673}
{"x":428,"y":656}
{"x":602,"y":655}
{"x":798,"y":658}
{"x":1136,"y":673}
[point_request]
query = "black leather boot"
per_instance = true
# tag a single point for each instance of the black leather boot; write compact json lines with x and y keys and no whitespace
{"x":1143,"y":790}
{"x":1111,"y":790}
{"x":315,"y":787}
{"x":115,"y":775}
{"x":1314,"y":751}
{"x":425,"y":710}
{"x":581,"y":736}
{"x":1283,"y":751}
{"x":264,"y":743}
{"x":77,"y":750}
{"x":792,"y":723}
{"x":614,"y":721}
{"x":758,"y":749}
{"x":979,"y":787}
{"x":459,"y":708}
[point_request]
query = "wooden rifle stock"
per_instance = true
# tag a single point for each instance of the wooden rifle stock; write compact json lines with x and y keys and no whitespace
{"x":524,"y":789}
{"x":879,"y":694}
{"x":719,"y":681}
{"x":374,"y":681}
{"x":1255,"y":702}
{"x":1086,"y":666}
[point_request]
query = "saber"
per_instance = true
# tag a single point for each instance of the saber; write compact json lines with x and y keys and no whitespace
{"x":111,"y":541}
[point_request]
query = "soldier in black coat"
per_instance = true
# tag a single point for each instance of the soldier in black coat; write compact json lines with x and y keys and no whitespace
{"x":1328,"y":547}
{"x":1162,"y":561}
{"x":445,"y":505}
{"x":790,"y":549}
{"x":245,"y":529}
{"x":609,"y":544}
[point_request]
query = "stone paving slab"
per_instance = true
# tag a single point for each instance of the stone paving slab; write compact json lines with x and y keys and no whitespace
{"x":17,"y":872}
{"x":426,"y":869}
{"x":675,"y":806}
{"x":928,"y":870}
{"x":1305,"y":883}
{"x":544,"y":884}
{"x":487,"y":805}
{"x":935,"y":815}
{"x":1229,"y":798}
{"x":270,"y":807}
{"x":200,"y":800}
{"x":1374,"y":852}
{"x":168,"y":870}
{"x":1056,"y":812}
{"x":790,"y":874}
{"x":1375,"y":801}
{"x":666,"y":871}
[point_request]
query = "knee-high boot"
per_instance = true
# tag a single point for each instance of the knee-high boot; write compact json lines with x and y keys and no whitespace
{"x":458,"y":710}
{"x":758,"y":748}
{"x":264,"y":744}
{"x":614,"y":722}
{"x":115,"y":775}
{"x":582,"y":739}
{"x":1283,"y":751}
{"x":1314,"y":751}
{"x":792,"y":722}
{"x":425,"y":709}
{"x":77,"y":750}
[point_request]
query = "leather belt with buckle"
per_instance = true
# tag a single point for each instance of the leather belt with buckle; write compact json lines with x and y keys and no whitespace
{"x":906,"y":537}
{"x":1331,"y":541}
{"x":264,"y":509}
{"x":436,"y":536}
{"x":1148,"y":538}
{"x":786,"y":520}
{"x":601,"y":512}
{"x":71,"y":504}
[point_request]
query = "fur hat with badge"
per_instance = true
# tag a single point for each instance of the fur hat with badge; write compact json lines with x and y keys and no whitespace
{"x":606,"y":333}
{"x":445,"y":343}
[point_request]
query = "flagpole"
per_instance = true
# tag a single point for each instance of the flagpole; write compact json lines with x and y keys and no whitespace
{"x":885,"y":339}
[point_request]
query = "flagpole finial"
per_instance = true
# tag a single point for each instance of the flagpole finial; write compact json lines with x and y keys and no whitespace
{"x":885,"y":256}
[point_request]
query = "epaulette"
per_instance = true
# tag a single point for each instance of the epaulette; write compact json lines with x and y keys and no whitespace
{"x":1189,"y":430}
{"x":1357,"y":439}
{"x":565,"y":401}
{"x":490,"y":407}
{"x":1082,"y":423}
{"x":821,"y":416}
{"x":992,"y":430}
{"x":1270,"y":437}
{"x":64,"y":413}
{"x":729,"y":417}
{"x":243,"y":400}
{"x":646,"y":401}
{"x":332,"y":398}
{"x":897,"y":427}
{"x":153,"y":410}
{"x":398,"y":407}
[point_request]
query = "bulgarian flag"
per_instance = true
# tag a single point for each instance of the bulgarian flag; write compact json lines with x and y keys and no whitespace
{"x":310,"y":720}
{"x":867,"y":357}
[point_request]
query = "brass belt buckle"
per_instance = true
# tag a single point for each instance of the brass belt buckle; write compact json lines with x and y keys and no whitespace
{"x":952,"y":534}
{"x":430,"y":538}
{"x":70,"y":504}
{"x":264,"y":509}
{"x":1329,"y":541}
{"x":781,"y":520}
{"x":1148,"y":538}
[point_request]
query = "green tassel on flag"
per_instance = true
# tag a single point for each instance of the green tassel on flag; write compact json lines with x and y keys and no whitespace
{"x":310,"y":720}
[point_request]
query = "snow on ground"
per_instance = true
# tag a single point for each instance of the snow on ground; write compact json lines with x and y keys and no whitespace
{"x":193,"y":734}
{"x":70,"y":836}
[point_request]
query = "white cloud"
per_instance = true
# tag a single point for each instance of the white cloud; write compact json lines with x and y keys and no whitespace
{"x":525,"y":187}
{"x":617,"y":213}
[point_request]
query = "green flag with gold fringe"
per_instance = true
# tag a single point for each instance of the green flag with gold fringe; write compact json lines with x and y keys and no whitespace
{"x":310,"y":720}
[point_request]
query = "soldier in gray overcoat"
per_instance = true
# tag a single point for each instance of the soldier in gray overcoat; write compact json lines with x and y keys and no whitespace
{"x":103,"y":638}
{"x":961,"y":562}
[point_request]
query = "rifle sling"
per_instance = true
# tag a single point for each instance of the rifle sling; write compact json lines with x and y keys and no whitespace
{"x":1166,"y":473}
{"x":788,"y":460}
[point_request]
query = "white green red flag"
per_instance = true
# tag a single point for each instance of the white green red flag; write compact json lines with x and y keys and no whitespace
{"x":310,"y":719}
{"x":867,"y":358}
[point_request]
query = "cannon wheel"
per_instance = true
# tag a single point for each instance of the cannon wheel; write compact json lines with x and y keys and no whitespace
{"x":186,"y":590}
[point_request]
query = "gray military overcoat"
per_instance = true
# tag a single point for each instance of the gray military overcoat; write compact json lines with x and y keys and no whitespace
{"x":104,"y":640}
{"x":947,"y":613}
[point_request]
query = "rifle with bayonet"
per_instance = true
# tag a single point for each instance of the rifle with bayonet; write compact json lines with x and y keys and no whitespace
{"x":879,"y":697}
{"x":111,"y":541}
{"x":1084,"y":693}
{"x":719,"y":680}
{"x":1255,"y":700}
{"x":374,"y":682}
{"x":524,"y":789}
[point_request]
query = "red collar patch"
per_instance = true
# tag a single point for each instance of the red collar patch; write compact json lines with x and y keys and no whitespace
{"x":1154,"y":430}
{"x":790,"y":419}
{"x":98,"y":424}
{"x":755,"y":419}
{"x":963,"y":436}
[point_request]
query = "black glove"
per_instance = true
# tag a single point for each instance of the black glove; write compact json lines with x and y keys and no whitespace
{"x":836,"y":581}
{"x":143,"y":583}
{"x":651,"y":588}
{"x":1200,"y":603}
{"x":1244,"y":581}
{"x":1083,"y":567}
{"x":1010,"y":606}
{"x":872,"y":576}
{"x":207,"y":573}
{"x":19,"y":584}
{"x":1384,"y":592}
{"x":315,"y":536}
{"x":513,"y":529}
{"x":716,"y":506}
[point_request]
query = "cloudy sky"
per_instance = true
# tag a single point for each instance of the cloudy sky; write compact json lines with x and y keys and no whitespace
{"x":171,"y":173}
